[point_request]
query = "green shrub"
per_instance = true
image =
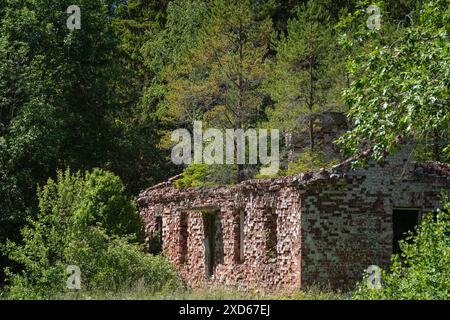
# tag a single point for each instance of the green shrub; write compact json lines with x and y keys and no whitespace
{"x":201,"y":175}
{"x":89,"y":222}
{"x":113,"y":263}
{"x":309,"y":160}
{"x":422,"y":270}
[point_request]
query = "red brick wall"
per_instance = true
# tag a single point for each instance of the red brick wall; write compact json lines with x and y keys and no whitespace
{"x":330,"y":225}
{"x":347,"y":222}
{"x":258,"y":270}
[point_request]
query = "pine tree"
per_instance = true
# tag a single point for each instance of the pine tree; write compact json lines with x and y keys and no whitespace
{"x":221,"y":79}
{"x":308,"y":72}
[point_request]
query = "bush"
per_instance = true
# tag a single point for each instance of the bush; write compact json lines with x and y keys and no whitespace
{"x":422,"y":270}
{"x":310,"y":160}
{"x":89,"y":222}
{"x":202,"y":175}
{"x":112,"y":264}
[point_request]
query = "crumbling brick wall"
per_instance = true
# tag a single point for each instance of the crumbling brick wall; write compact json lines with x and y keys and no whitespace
{"x":320,"y":228}
{"x":347,"y":222}
{"x":271,"y":208}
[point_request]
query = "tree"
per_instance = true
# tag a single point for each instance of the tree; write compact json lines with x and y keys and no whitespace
{"x":54,"y":98}
{"x":221,"y":78}
{"x":134,"y":22}
{"x":134,"y":154}
{"x":164,"y":51}
{"x":307,"y":75}
{"x":65,"y":102}
{"x":401,"y":86}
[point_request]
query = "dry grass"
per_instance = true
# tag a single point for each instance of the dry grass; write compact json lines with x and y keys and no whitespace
{"x":140,"y":293}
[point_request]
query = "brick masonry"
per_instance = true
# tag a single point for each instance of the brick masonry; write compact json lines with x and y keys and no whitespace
{"x":321,"y":228}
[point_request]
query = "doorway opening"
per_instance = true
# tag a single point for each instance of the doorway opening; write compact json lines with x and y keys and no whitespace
{"x":209,"y":223}
{"x":271,"y":233}
{"x":184,"y":236}
{"x":155,"y":243}
{"x":403,"y":220}
{"x":241,"y":238}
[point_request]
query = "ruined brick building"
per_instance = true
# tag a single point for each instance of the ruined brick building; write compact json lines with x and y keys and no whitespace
{"x":288,"y":233}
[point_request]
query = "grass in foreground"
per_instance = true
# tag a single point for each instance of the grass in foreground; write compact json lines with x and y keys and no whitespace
{"x":217,"y":293}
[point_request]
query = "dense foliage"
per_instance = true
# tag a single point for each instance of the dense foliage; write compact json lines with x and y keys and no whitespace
{"x":309,"y":72}
{"x":64,"y":102}
{"x":402,"y":81}
{"x":422,"y":270}
{"x":86,"y":221}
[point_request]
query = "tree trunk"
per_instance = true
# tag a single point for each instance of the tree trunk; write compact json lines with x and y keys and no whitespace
{"x":240,"y":167}
{"x":311,"y":102}
{"x":311,"y":133}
